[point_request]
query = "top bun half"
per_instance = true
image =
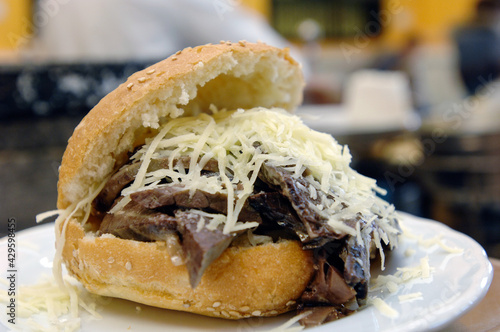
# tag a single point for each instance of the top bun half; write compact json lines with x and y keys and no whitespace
{"x":227,"y":75}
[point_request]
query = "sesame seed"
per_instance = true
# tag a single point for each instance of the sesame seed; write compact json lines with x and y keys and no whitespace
{"x":228,"y":43}
{"x":178,"y":52}
{"x":225,"y":314}
{"x":222,"y":42}
{"x":216,"y":313}
{"x":234,"y":313}
{"x":174,"y":58}
{"x":289,"y":303}
{"x":256,"y":313}
{"x":186,"y":305}
{"x":273,"y":312}
{"x":242,"y":43}
{"x":142,"y":79}
{"x":130,"y":85}
{"x":128,"y":266}
{"x":245,"y":308}
{"x":111,"y":260}
{"x":210,"y":309}
{"x":149,"y":72}
{"x":216,"y":304}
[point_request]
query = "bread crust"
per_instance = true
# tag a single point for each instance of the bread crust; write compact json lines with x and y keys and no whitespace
{"x":263,"y":280}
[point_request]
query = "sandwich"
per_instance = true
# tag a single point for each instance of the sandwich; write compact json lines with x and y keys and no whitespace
{"x":193,"y":187}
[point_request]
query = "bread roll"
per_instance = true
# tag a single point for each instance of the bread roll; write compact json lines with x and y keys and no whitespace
{"x":244,"y":281}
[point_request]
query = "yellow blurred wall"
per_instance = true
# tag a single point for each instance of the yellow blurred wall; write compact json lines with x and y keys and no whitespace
{"x":262,"y":6}
{"x":15,"y":18}
{"x":428,"y":20}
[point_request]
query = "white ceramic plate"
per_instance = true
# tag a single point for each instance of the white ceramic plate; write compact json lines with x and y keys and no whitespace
{"x":458,"y":282}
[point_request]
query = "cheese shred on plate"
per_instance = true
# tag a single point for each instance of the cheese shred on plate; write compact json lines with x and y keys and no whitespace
{"x":44,"y":306}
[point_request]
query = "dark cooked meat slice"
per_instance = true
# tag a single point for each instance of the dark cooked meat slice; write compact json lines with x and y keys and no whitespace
{"x":165,"y":196}
{"x":134,"y":222}
{"x":280,"y":202}
{"x":125,"y":175}
{"x":297,"y":192}
{"x":357,"y":268}
{"x":327,"y":288}
{"x":177,"y":195}
{"x":201,"y":247}
{"x":114,"y":186}
{"x":273,"y":207}
{"x":321,"y":315}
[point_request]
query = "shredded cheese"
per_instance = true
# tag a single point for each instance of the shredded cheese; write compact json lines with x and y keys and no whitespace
{"x":403,"y":275}
{"x":429,"y":242}
{"x":241,"y":142}
{"x":383,"y":307}
{"x":44,"y":306}
{"x":410,"y":297}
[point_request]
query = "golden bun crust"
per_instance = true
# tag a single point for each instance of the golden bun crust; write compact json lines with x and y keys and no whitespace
{"x":244,"y":281}
{"x":227,"y":75}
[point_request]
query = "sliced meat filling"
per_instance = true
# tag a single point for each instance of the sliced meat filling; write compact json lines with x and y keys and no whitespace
{"x":296,"y":190}
{"x":177,"y":195}
{"x":201,"y":246}
{"x":280,"y":201}
{"x":320,"y":315}
{"x":126,"y":175}
{"x":273,"y":207}
{"x":135,"y":222}
{"x":328,"y":286}
{"x":357,"y":268}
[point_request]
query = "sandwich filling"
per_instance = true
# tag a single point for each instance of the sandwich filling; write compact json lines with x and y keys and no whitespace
{"x":207,"y":182}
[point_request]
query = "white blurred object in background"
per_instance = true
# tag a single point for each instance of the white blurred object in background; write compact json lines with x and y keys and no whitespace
{"x":379,"y":99}
{"x":483,"y":114}
{"x":141,"y":30}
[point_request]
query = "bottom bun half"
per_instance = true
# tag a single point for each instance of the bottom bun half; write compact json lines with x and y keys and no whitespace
{"x":263,"y":280}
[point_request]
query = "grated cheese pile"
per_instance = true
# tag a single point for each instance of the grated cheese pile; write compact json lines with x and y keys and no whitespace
{"x":241,"y":141}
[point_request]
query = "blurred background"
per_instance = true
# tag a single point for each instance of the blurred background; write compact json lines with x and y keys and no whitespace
{"x":411,"y":87}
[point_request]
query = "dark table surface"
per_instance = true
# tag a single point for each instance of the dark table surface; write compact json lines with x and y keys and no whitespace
{"x":30,"y":155}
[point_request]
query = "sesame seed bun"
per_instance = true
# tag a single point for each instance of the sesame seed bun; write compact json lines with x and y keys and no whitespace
{"x":261,"y":280}
{"x":228,"y":75}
